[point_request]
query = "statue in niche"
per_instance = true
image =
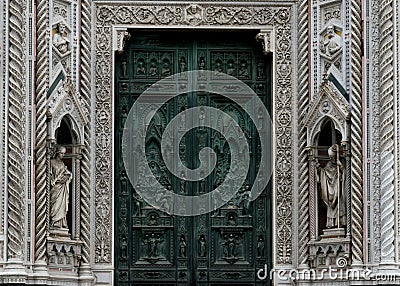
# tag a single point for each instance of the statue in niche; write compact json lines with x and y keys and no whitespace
{"x":140,"y":70}
{"x":166,"y":69}
{"x":59,"y":190}
{"x":331,"y":42}
{"x":124,"y":72}
{"x":218,"y":67}
{"x":231,"y":220}
{"x":182,"y":246}
{"x":202,"y":246}
{"x":331,"y":180}
{"x":182,"y":65}
{"x":260,"y":246}
{"x":124,"y":247}
{"x":153,"y":220}
{"x":202,"y":64}
{"x":152,"y":243}
{"x":124,"y":115}
{"x":153,"y":68}
{"x":229,"y":245}
{"x":245,"y":200}
{"x":231,"y":68}
{"x":60,"y":39}
{"x":243,"y":71}
{"x":260,"y":69}
{"x":138,"y":201}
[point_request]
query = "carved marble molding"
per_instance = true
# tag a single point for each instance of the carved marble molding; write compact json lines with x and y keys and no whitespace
{"x":329,"y":104}
{"x":16,"y":121}
{"x":386,"y":120}
{"x":64,"y":101}
{"x":121,"y":36}
{"x":42,"y":82}
{"x":86,"y":163}
{"x":256,"y":16}
{"x":267,"y":40}
{"x":302,"y":107}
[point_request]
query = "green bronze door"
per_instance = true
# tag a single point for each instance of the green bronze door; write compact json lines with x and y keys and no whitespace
{"x":226,"y":246}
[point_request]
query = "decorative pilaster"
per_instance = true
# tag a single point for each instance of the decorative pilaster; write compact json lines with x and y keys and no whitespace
{"x":303,"y":100}
{"x":312,"y":193}
{"x":85,"y":90}
{"x":356,"y":132}
{"x":266,"y":38}
{"x":42,"y":79}
{"x":386,"y":89}
{"x":15,"y":142}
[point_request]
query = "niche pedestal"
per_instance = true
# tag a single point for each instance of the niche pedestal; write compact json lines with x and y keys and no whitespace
{"x":333,"y":233}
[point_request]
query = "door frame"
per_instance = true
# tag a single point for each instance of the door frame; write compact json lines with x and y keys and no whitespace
{"x":274,"y":21}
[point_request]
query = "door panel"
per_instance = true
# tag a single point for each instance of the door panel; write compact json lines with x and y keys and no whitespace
{"x":229,"y":245}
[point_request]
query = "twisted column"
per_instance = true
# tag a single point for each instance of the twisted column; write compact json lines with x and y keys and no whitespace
{"x":386,"y":130}
{"x":42,"y":64}
{"x":356,"y":133}
{"x":15,"y":134}
{"x":302,"y":111}
{"x":313,"y":201}
{"x":85,"y":81}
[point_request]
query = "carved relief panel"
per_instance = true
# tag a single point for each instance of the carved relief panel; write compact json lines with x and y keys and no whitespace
{"x":64,"y":34}
{"x":329,"y":43}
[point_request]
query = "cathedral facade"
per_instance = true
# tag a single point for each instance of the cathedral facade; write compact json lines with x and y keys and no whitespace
{"x":312,"y":85}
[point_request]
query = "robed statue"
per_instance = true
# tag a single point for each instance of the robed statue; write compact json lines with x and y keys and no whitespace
{"x":59,"y":191}
{"x":331,"y":179}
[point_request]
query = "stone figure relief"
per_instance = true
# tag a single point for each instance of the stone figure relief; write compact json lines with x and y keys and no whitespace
{"x":59,"y":191}
{"x":260,"y":246}
{"x":153,"y":245}
{"x":182,"y":247}
{"x":331,"y":180}
{"x":331,"y":42}
{"x":182,"y":65}
{"x":230,"y":243}
{"x":124,"y":68}
{"x":60,"y":38}
{"x":194,"y":14}
{"x":153,"y":71}
{"x":140,"y":70}
{"x":202,"y":246}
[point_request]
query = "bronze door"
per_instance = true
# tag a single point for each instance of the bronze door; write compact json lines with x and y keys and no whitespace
{"x":226,"y":246}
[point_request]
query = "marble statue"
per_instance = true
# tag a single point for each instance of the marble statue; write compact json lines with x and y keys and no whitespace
{"x":332,"y":42}
{"x":60,"y":39}
{"x":59,"y":191}
{"x":331,"y":180}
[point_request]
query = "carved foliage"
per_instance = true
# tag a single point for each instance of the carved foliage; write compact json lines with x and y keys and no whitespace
{"x":182,"y":15}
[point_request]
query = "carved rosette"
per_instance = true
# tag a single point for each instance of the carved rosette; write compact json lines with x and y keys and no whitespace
{"x":108,"y":16}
